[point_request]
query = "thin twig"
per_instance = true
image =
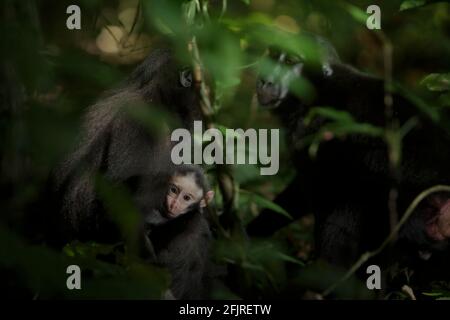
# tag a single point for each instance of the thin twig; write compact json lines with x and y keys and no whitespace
{"x":224,"y":177}
{"x":136,"y":18}
{"x":392,"y":126}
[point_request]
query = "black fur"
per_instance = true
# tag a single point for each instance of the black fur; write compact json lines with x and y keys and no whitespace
{"x":114,"y":144}
{"x":347,"y":185}
{"x":181,"y":244}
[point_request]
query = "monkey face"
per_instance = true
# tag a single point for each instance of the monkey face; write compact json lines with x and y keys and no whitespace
{"x":183,"y":195}
{"x":292,"y":76}
{"x":162,"y":77}
{"x":438,"y":227}
{"x":444,"y":220}
{"x":273,"y":88}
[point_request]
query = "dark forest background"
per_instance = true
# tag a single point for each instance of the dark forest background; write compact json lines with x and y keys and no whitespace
{"x":50,"y":75}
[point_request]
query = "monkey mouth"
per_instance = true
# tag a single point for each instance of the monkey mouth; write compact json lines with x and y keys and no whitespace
{"x":268,"y":101}
{"x":171,"y":214}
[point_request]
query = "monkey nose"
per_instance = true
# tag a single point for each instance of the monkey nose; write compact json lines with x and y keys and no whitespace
{"x":171,"y":204}
{"x":265,"y":83}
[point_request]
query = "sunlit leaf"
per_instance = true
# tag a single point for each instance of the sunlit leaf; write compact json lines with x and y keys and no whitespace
{"x":356,"y":13}
{"x":410,"y":4}
{"x":437,"y":82}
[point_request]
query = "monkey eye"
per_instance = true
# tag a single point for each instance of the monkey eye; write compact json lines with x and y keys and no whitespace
{"x":187,"y":198}
{"x":173,"y":189}
{"x":186,"y":78}
{"x":290,"y":61}
{"x":274,"y":54}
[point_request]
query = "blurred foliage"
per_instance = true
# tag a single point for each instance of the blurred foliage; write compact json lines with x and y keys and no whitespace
{"x":50,"y":75}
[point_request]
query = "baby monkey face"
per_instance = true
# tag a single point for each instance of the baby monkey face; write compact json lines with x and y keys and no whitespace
{"x":183,"y":195}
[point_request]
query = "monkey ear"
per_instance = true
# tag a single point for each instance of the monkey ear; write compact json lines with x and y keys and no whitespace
{"x":207,"y":199}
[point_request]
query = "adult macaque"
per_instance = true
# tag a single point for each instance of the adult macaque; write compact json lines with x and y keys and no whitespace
{"x":347,"y":184}
{"x":117,"y":144}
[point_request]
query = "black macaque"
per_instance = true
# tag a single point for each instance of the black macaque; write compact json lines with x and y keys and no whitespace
{"x":347,"y":184}
{"x":116,"y":145}
{"x":176,"y":232}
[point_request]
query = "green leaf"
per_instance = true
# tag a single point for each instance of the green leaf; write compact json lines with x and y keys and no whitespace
{"x":343,"y":123}
{"x":265,"y":203}
{"x":413,"y":4}
{"x":418,"y":102}
{"x":91,"y":249}
{"x":356,"y":13}
{"x":118,"y":201}
{"x":432,"y":294}
{"x":329,"y":113}
{"x":189,"y":10}
{"x":410,"y":4}
{"x":437,"y":82}
{"x":287,"y":258}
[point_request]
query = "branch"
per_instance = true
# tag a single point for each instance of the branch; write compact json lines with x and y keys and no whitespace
{"x":224,"y":176}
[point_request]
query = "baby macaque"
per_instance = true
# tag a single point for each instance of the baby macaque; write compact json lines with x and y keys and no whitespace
{"x":186,"y":190}
{"x":176,"y":233}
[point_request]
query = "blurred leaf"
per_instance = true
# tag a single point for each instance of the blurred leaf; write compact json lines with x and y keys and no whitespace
{"x":422,"y":105}
{"x":189,"y":9}
{"x":319,"y":276}
{"x":437,"y":82}
{"x":343,"y":123}
{"x":329,"y":113}
{"x":288,"y":258}
{"x":357,"y":14}
{"x":444,"y":100}
{"x":302,"y":44}
{"x":91,"y":249}
{"x":245,"y":173}
{"x":167,"y":16}
{"x":41,"y":270}
{"x":409,"y":4}
{"x":42,"y":123}
{"x":432,"y":294}
{"x":264,"y":203}
{"x":221,"y":292}
{"x":88,"y":69}
{"x":119,"y":204}
{"x":439,"y":290}
{"x":221,"y":58}
{"x":138,"y":282}
{"x":259,"y":264}
{"x":413,"y":4}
